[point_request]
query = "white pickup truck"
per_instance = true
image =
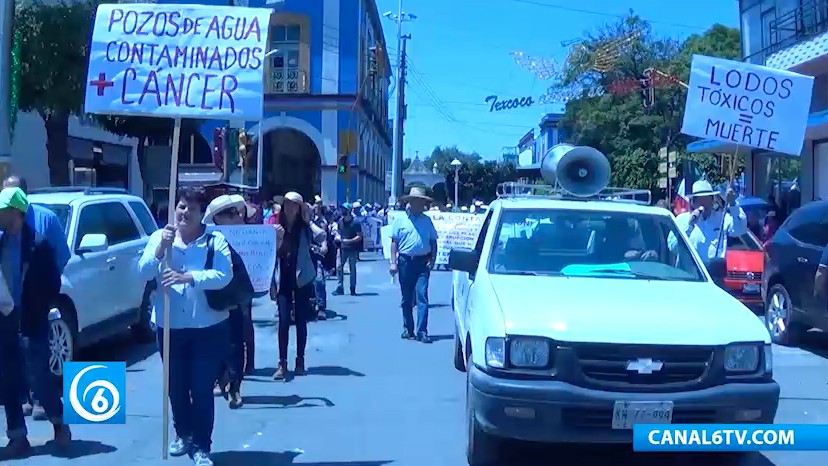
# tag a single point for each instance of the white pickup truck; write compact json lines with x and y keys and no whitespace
{"x":577,"y":319}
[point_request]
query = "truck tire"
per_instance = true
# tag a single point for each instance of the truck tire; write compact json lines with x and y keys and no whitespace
{"x":482,"y":449}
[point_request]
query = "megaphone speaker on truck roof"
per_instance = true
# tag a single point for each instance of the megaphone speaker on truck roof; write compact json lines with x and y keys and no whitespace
{"x":579,"y":170}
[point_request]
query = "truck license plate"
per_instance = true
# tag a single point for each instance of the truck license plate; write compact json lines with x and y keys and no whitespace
{"x":750,"y":288}
{"x":628,"y":413}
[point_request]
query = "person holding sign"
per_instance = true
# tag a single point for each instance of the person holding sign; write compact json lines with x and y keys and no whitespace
{"x":413,"y":255}
{"x":32,"y":275}
{"x":295,"y":233}
{"x":232,"y":210}
{"x":705,"y":227}
{"x":199,"y":334}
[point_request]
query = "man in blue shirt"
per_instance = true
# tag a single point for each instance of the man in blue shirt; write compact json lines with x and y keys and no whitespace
{"x":413,"y":254}
{"x":48,"y":225}
{"x":33,"y":281}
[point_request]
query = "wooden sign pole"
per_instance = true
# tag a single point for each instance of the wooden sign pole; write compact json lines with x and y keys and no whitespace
{"x":172,"y":201}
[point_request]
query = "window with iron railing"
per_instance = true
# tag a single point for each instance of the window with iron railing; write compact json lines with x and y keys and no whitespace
{"x":286,"y":72}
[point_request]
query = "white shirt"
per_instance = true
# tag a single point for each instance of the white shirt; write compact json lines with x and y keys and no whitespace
{"x":705,"y":234}
{"x":188,"y":303}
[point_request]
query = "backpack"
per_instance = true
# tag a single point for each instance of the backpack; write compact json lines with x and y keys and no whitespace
{"x":240,"y":289}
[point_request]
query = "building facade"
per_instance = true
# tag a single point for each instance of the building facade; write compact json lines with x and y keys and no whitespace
{"x":531,"y":148}
{"x":327,"y":78}
{"x":790,"y":35}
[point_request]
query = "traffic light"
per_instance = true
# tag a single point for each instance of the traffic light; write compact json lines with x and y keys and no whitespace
{"x":647,"y":92}
{"x":342,"y":167}
{"x":242,"y":148}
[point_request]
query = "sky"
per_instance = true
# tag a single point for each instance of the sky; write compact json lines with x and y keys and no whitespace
{"x":459,"y":54}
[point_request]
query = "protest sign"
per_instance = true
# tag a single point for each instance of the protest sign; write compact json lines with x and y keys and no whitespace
{"x":256,"y":244}
{"x":454,"y":230}
{"x":747,"y":104}
{"x":371,"y":233}
{"x":196,"y":61}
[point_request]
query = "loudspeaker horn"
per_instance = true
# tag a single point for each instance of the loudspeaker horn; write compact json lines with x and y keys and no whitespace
{"x":579,"y":170}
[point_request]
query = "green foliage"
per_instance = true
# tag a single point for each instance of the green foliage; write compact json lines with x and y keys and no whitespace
{"x":618,"y":125}
{"x":478,"y":178}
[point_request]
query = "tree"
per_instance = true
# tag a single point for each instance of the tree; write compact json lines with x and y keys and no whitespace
{"x":619,"y":125}
{"x":54,"y":51}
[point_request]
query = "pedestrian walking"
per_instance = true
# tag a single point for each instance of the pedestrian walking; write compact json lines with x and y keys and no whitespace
{"x":297,"y":272}
{"x":199,"y":335}
{"x":349,"y":237}
{"x":232,"y":210}
{"x":33,"y":281}
{"x":413,"y":255}
{"x":318,"y":253}
{"x":48,"y":225}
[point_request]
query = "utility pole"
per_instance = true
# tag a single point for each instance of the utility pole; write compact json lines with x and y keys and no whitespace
{"x":399,"y":131}
{"x":6,"y":34}
{"x":396,"y":160}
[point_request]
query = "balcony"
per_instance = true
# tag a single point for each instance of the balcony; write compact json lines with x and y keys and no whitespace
{"x":286,"y":81}
{"x":797,"y":38}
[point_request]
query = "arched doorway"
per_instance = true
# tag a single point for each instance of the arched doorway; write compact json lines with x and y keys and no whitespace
{"x":291,"y":163}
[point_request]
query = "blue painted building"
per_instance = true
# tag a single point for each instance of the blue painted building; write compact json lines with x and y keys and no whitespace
{"x":323,"y":99}
{"x":531,"y":148}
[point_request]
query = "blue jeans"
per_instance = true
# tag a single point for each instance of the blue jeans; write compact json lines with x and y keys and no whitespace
{"x":195,"y":356}
{"x":413,"y":275}
{"x":319,"y":286}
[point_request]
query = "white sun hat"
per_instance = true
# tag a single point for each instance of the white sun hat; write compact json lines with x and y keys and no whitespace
{"x":224,"y":202}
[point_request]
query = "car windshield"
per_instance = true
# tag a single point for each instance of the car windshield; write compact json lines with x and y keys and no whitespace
{"x":746,"y":242}
{"x":592,"y":243}
{"x":62,"y":211}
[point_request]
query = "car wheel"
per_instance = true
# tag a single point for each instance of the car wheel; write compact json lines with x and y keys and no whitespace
{"x":459,"y":360}
{"x":779,"y":316}
{"x":144,"y":330}
{"x":62,"y":340}
{"x":482,"y":448}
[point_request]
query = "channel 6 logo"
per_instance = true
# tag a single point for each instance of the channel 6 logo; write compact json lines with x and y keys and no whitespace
{"x":94,"y":392}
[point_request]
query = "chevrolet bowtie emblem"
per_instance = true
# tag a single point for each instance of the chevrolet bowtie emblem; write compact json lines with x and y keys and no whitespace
{"x":645,"y":366}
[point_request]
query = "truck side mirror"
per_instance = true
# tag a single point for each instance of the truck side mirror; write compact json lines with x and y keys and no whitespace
{"x":464,"y":260}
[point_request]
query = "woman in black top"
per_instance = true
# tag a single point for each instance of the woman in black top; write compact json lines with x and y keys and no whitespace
{"x":297,"y":272}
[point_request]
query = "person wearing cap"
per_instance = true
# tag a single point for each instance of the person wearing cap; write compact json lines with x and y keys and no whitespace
{"x":199,"y":336}
{"x":296,"y":234}
{"x":32,"y":278}
{"x":349,"y":238}
{"x":703,"y":225}
{"x":232,"y":210}
{"x":45,"y":222}
{"x":413,"y":254}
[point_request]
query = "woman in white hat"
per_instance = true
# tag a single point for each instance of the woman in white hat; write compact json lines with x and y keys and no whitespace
{"x":297,"y":272}
{"x":703,"y":225}
{"x":232,"y":210}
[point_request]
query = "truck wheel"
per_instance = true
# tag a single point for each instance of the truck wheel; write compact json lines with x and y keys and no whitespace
{"x":482,"y":449}
{"x":459,"y":360}
{"x":143,"y":331}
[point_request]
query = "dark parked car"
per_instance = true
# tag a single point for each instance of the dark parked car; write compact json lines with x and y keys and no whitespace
{"x":791,"y":260}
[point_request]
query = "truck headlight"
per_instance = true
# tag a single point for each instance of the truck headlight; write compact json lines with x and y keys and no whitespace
{"x":741,"y":358}
{"x":528,"y":352}
{"x":495,"y":352}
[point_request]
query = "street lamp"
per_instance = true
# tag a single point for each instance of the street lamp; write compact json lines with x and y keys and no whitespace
{"x":456,"y":164}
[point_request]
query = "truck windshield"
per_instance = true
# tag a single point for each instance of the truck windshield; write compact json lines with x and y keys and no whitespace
{"x":592,"y":243}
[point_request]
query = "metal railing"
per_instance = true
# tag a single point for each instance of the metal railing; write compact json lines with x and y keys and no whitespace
{"x":802,"y":23}
{"x":285,"y":81}
{"x":513,"y":190}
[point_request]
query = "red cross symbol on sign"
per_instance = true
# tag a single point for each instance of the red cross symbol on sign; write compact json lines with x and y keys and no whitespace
{"x":101,"y":83}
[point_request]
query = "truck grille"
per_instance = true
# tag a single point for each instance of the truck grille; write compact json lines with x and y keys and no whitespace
{"x":605,"y":365}
{"x":745,"y":275}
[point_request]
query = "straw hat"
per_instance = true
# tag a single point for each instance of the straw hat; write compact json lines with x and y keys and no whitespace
{"x":224,"y":202}
{"x":702,"y":188}
{"x":416,"y":192}
{"x":293,"y":196}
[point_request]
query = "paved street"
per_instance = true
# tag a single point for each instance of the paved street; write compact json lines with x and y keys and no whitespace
{"x":371,"y":399}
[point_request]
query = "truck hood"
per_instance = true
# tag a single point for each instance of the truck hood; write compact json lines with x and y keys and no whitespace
{"x":630,"y":311}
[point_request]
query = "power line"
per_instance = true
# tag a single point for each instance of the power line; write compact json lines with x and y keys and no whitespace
{"x":604,"y":14}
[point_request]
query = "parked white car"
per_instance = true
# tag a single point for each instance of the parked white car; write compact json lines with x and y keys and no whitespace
{"x":576,"y":319}
{"x":101,"y":294}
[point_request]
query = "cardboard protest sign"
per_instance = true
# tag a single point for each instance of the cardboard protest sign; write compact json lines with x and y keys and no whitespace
{"x":454,"y":230}
{"x":196,"y":61}
{"x":256,"y":245}
{"x":747,"y":104}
